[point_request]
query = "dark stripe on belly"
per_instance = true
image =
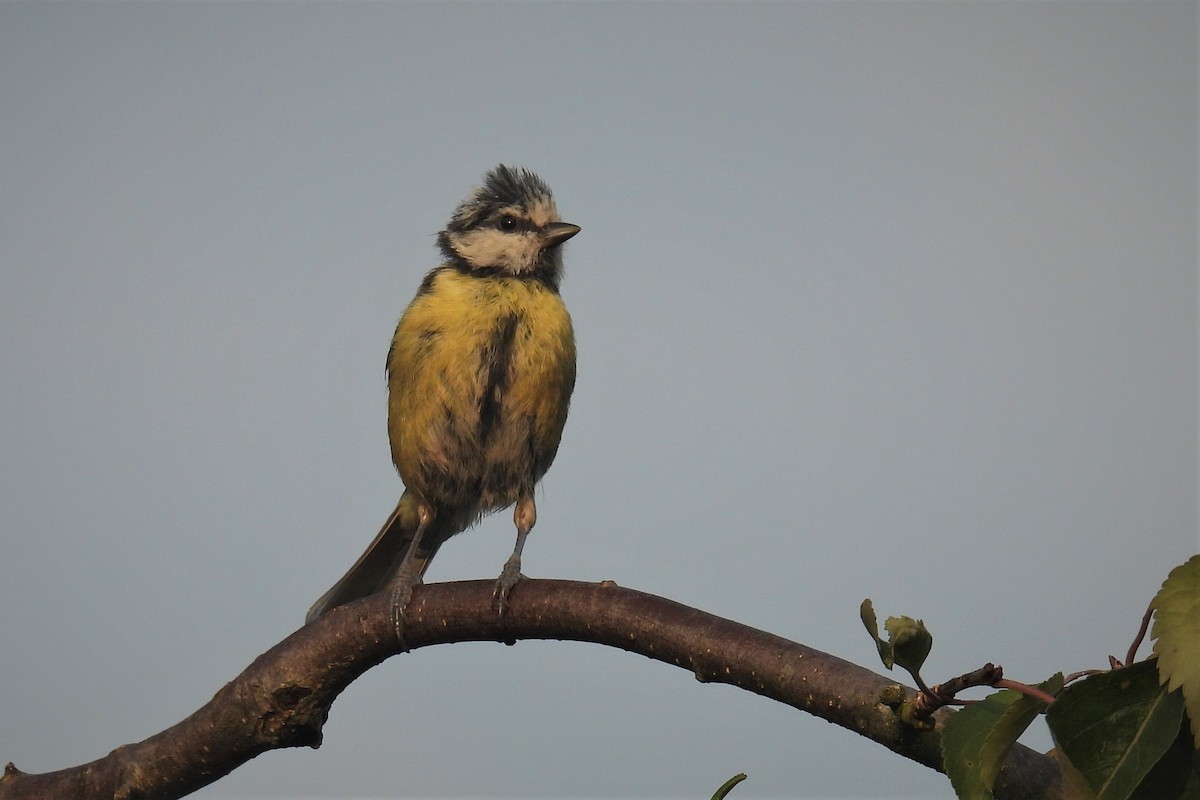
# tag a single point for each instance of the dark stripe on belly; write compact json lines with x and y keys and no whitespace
{"x":495,"y":361}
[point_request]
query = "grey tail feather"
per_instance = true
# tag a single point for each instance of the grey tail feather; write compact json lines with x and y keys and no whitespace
{"x":373,"y":570}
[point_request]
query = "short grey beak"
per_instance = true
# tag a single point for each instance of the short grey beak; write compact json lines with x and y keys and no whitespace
{"x":558,"y":232}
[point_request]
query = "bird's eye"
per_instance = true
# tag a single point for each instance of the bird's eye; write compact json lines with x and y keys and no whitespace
{"x":508,"y":223}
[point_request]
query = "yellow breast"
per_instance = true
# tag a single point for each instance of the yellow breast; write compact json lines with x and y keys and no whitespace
{"x":479,"y":377}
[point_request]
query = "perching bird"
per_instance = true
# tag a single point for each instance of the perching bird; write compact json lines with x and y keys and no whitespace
{"x":480,"y":374}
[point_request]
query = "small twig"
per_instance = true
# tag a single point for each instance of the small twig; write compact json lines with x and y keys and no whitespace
{"x":929,"y":700}
{"x":943,"y":694}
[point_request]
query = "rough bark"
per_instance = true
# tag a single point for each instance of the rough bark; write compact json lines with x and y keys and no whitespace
{"x":283,"y":698}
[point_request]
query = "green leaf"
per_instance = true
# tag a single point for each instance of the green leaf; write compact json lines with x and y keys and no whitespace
{"x":727,"y":785}
{"x":1074,"y":787}
{"x":866,"y":612}
{"x":911,"y":642}
{"x":1114,"y":727}
{"x":976,"y":739}
{"x":1177,"y":636}
{"x":1176,"y":776}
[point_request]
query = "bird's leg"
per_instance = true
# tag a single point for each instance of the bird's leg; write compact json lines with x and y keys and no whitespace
{"x":524,"y":516}
{"x":409,"y":574}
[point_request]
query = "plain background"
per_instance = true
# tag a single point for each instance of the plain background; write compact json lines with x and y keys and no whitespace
{"x":873,"y":300}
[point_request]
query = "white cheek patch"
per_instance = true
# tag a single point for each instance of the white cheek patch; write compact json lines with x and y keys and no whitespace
{"x":491,"y":248}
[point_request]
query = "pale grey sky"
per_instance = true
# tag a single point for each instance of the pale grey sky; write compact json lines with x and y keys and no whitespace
{"x":889,"y":300}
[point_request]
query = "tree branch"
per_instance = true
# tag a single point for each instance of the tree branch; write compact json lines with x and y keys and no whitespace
{"x":283,"y":698}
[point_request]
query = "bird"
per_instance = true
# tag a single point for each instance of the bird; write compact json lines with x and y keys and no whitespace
{"x":480,"y":374}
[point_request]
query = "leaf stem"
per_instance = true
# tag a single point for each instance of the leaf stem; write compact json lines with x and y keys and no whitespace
{"x":1025,"y":689}
{"x":1141,"y":634}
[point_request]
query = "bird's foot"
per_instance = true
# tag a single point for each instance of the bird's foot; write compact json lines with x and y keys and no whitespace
{"x":505,"y":583}
{"x":402,"y":588}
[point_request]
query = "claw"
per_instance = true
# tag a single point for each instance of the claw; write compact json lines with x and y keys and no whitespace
{"x":505,"y":583}
{"x":401,"y":596}
{"x":409,"y":575}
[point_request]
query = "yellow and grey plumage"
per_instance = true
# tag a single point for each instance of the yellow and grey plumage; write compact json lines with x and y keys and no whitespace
{"x":480,"y":374}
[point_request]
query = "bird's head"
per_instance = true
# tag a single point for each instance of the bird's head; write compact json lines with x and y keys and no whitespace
{"x":509,"y":226}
